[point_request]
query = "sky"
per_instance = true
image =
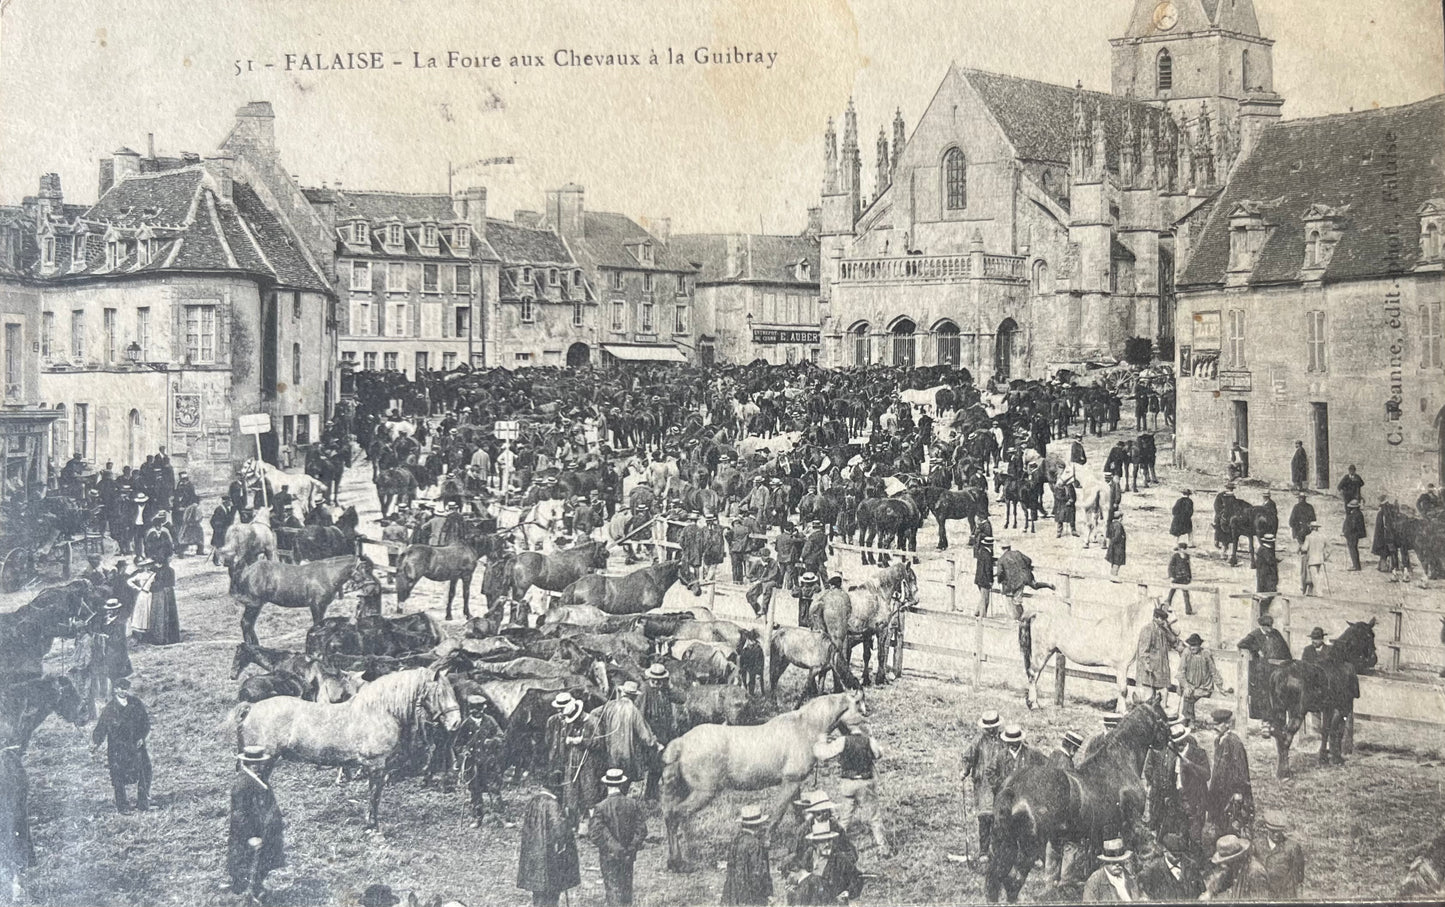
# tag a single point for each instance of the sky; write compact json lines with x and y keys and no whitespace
{"x":725,"y":146}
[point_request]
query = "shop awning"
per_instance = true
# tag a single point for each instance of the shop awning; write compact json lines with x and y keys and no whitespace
{"x":644,"y":352}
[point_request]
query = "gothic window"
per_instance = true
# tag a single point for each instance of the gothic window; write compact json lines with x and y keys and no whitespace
{"x":1432,"y":241}
{"x":1430,"y":335}
{"x":1041,"y":277}
{"x":1164,"y":69}
{"x":862,"y":344}
{"x":955,"y":180}
{"x":949,"y":346}
{"x":1244,"y":71}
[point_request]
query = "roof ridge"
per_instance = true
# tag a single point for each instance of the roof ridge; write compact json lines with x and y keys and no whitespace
{"x":215,"y":219}
{"x":256,"y":244}
{"x":1396,"y":108}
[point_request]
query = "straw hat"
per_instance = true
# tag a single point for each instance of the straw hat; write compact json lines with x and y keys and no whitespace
{"x":821,"y":803}
{"x":752,"y":815}
{"x":1112,"y":720}
{"x":615,"y":777}
{"x":1178,"y":732}
{"x":656,"y":671}
{"x":630,"y":688}
{"x":254,"y":755}
{"x":808,"y":577}
{"x":989,"y":719}
{"x":1072,"y":740}
{"x":1115,"y":852}
{"x":573,"y":710}
{"x":1271,"y":821}
{"x":1228,"y":849}
{"x":561,"y":700}
{"x":1013,"y":734}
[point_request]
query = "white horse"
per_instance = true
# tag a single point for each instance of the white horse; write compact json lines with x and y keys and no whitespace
{"x":303,"y":487}
{"x":743,"y":414}
{"x":1106,"y":642}
{"x":1096,"y":500}
{"x":924,"y":401}
{"x":534,"y":527}
{"x":393,"y":429}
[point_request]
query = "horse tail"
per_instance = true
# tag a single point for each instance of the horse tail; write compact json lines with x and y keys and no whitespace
{"x":1026,"y":640}
{"x":405,"y":582}
{"x":674,"y":786}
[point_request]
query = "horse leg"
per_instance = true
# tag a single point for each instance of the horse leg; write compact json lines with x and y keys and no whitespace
{"x":466,"y":582}
{"x":942,"y":533}
{"x":1283,"y":737}
{"x":378,"y":782}
{"x":248,"y":623}
{"x":451,"y":594}
{"x":882,"y":635}
{"x":867,"y":640}
{"x":1337,"y":738}
{"x":678,"y":819}
{"x":1326,"y":730}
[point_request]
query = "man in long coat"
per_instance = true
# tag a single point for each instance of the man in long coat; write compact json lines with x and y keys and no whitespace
{"x":983,"y":574}
{"x":1118,"y":543}
{"x":1300,"y":517}
{"x":255,"y":842}
{"x":1268,"y":650}
{"x":1266,"y":571}
{"x":1224,"y":505}
{"x":749,"y":881}
{"x":1181,"y":520}
{"x":1354,"y":532}
{"x":547,"y":862}
{"x":662,"y":708}
{"x":619,"y":829}
{"x":624,"y":733}
{"x":1015,"y":574}
{"x":571,"y":737}
{"x":1194,"y":775}
{"x":1299,"y":466}
{"x":1065,"y":498}
{"x":1151,"y":662}
{"x":123,"y":727}
{"x":980,"y":763}
{"x":1231,"y":772}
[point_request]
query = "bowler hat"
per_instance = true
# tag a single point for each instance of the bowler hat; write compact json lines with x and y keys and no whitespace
{"x":615,"y":777}
{"x":120,"y":683}
{"x":1187,"y":492}
{"x":1317,"y":633}
{"x":1221,"y":716}
{"x":1182,"y":545}
{"x":1228,"y":849}
{"x":1161,"y":613}
{"x":1115,"y":852}
{"x":751,"y":815}
{"x":1194,"y":640}
{"x":1266,"y":620}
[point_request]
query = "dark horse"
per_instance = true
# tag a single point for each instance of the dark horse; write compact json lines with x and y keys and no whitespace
{"x":1103,"y":797}
{"x":327,"y":469}
{"x":27,"y":633}
{"x":954,"y":504}
{"x":639,"y":591}
{"x":556,"y":571}
{"x":397,"y":484}
{"x":448,"y":563}
{"x":1242,"y":518}
{"x":889,"y":523}
{"x":315,"y":543}
{"x":314,"y":586}
{"x":1328,"y":687}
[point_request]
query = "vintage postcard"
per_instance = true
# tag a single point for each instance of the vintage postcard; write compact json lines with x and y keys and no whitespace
{"x":725,"y":451}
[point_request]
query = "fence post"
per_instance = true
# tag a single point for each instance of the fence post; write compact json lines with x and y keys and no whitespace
{"x":1059,"y":676}
{"x":1241,"y":690}
{"x":977,"y":651}
{"x":898,"y":647}
{"x":1216,"y":621}
{"x":1348,"y":746}
{"x":1288,"y":637}
{"x":952,"y":585}
{"x":1398,"y":626}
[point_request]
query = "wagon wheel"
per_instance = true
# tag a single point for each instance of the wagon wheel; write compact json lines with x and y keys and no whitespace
{"x":16,"y":569}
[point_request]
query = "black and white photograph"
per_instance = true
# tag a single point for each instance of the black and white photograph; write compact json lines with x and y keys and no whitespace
{"x":792,"y":452}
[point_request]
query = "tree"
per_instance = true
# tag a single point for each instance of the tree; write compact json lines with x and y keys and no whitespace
{"x":1138,"y":351}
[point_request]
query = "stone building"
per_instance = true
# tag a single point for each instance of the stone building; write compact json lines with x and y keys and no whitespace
{"x":1310,"y":304}
{"x":545,"y":312}
{"x":25,"y":420}
{"x":756,"y":297}
{"x":644,"y":290}
{"x":414,"y":273}
{"x":1025,"y":226}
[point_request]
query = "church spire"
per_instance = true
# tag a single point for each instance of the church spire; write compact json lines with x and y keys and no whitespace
{"x":852,"y":175}
{"x":885,"y":169}
{"x":1204,"y":148}
{"x":898,"y":138}
{"x":1098,"y":164}
{"x":1079,"y":143}
{"x":830,"y":159}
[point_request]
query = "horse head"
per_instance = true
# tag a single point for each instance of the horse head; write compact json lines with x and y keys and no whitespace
{"x":854,"y":708}
{"x":1357,"y":645}
{"x":69,"y":704}
{"x":439,"y":701}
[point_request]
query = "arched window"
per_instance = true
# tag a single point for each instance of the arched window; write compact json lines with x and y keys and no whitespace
{"x":1005,"y":349}
{"x":1244,"y":71}
{"x":862,"y":344}
{"x":905,"y":346}
{"x":1312,"y":249}
{"x":1164,"y":70}
{"x":1041,"y":278}
{"x":955,"y":180}
{"x":949,"y":345}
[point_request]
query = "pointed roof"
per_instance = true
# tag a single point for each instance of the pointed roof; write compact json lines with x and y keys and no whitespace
{"x":760,"y":257}
{"x":607,"y":239}
{"x":1335,"y":161}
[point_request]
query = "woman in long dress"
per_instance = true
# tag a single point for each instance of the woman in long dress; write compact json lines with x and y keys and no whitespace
{"x":140,"y":612}
{"x":165,"y":620}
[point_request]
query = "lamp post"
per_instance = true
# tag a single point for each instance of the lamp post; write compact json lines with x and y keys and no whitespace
{"x":748,"y":348}
{"x":132,"y":352}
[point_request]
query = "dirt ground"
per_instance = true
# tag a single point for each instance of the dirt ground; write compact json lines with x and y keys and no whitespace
{"x":1359,"y":823}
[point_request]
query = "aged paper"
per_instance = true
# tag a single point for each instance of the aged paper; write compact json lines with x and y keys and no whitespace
{"x":721,"y":307}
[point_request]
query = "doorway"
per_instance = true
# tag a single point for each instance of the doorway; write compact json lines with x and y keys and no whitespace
{"x":135,"y":444}
{"x":1241,"y":429}
{"x":578,"y":355}
{"x":1003,"y":353}
{"x":1320,"y":419}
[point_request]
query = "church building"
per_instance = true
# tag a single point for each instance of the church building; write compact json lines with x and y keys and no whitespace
{"x":1024,"y":226}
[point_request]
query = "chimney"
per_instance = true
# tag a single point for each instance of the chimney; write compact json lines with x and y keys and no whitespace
{"x":564,"y":210}
{"x":471,"y":206}
{"x":107,"y":175}
{"x":219,"y":169}
{"x":50,"y":199}
{"x":124,"y":163}
{"x":731,"y":264}
{"x":151,"y":145}
{"x":255,"y":129}
{"x":815,"y":223}
{"x":661,"y":227}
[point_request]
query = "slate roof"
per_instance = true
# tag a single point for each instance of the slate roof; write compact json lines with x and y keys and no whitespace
{"x":411,"y":209}
{"x":761,"y":258}
{"x":517,"y":244}
{"x":605,"y":239}
{"x":191,"y":230}
{"x":1382,"y":163}
{"x":1038,"y":117}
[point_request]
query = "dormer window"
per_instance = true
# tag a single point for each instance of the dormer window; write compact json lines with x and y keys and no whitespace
{"x":552,"y":277}
{"x":393,"y":234}
{"x":47,"y":251}
{"x":142,"y":252}
{"x":112,"y":252}
{"x":526,"y":275}
{"x":577,"y":278}
{"x":1247,"y":234}
{"x":1432,"y":230}
{"x":805,"y":271}
{"x":429,"y":235}
{"x":462,"y":238}
{"x":77,"y":251}
{"x":360,"y":233}
{"x":1323,"y":227}
{"x":643,"y":253}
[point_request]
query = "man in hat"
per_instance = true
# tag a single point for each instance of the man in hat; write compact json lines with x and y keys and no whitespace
{"x":1238,"y":461}
{"x":1299,"y":466}
{"x":1314,"y":653}
{"x":547,"y":862}
{"x":123,"y":727}
{"x":94,"y":573}
{"x":1156,"y":640}
{"x":662,"y":708}
{"x":689,"y":547}
{"x":1199,"y":677}
{"x":478,"y":744}
{"x":221,"y":519}
{"x":1283,"y":859}
{"x":857,"y":753}
{"x":740,"y":540}
{"x":1354,"y":532}
{"x":1016,"y":755}
{"x":110,"y":657}
{"x":1230,"y":777}
{"x":255,"y":842}
{"x":1238,"y":875}
{"x":159,"y":545}
{"x":1300,"y":517}
{"x":813,"y":807}
{"x":1015,"y":574}
{"x":814,"y":553}
{"x":1192,"y":780}
{"x":1313,"y":555}
{"x":1181,"y":519}
{"x":983,"y":573}
{"x":789,"y":545}
{"x":766,"y":574}
{"x":1116,"y":546}
{"x":1267,"y":650}
{"x":714,"y":547}
{"x":1114,"y":880}
{"x":1063,"y":757}
{"x":1266,"y":571}
{"x":981,"y":762}
{"x":1181,"y":574}
{"x":830,"y":872}
{"x":1350,"y":486}
{"x":749,"y":878}
{"x":1076,"y":450}
{"x":808,"y":588}
{"x":571,"y":737}
{"x":618,"y":828}
{"x":629,"y":742}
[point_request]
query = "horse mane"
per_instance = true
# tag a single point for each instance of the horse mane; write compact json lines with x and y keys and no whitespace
{"x":1117,"y":738}
{"x":398,"y":693}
